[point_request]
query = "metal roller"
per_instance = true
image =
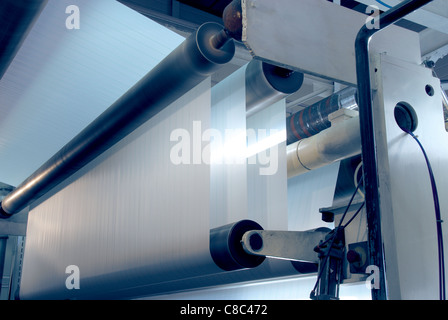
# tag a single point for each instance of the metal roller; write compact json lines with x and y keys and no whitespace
{"x":305,"y":267}
{"x":340,"y":141}
{"x":199,"y":56}
{"x":267,"y":84}
{"x":226,"y":249}
{"x":314,"y":119}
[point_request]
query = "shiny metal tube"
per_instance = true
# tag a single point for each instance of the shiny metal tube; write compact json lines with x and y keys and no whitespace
{"x":267,"y":84}
{"x":314,"y":119}
{"x":340,"y":141}
{"x":188,"y":65}
{"x":226,"y":248}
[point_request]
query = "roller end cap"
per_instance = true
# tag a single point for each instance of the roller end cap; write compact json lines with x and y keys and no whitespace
{"x":218,"y":56}
{"x":3,"y":213}
{"x":226,"y":248}
{"x":283,"y":80}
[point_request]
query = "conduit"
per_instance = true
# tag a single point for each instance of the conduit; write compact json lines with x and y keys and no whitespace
{"x":199,"y":56}
{"x":226,"y":249}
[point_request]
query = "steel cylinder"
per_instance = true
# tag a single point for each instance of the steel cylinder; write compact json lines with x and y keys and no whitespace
{"x":267,"y":84}
{"x":226,"y":249}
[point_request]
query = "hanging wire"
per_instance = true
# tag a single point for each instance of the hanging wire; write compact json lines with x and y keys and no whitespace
{"x":439,"y":221}
{"x":334,"y":236}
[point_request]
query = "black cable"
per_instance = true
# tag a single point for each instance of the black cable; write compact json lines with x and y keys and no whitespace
{"x":442,"y":293}
{"x":334,"y":236}
{"x":354,"y":216}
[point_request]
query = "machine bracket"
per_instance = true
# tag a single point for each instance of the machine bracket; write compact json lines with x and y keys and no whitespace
{"x":322,"y":246}
{"x":288,"y":245}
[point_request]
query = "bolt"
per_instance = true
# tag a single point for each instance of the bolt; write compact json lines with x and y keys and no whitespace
{"x":353,"y":256}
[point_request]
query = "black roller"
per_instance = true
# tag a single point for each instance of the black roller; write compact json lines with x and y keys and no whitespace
{"x":184,"y":68}
{"x":267,"y":84}
{"x":305,"y":267}
{"x":17,"y":17}
{"x":226,"y":248}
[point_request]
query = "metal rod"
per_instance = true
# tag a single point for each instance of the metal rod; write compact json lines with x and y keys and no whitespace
{"x":220,"y":39}
{"x":188,"y":65}
{"x":368,"y":137}
{"x":314,"y":118}
{"x":339,"y":142}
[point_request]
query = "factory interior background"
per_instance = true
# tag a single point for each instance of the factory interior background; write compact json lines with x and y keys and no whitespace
{"x":154,"y":205}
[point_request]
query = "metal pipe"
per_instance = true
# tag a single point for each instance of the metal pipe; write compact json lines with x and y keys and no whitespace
{"x":339,"y":142}
{"x":369,"y":156}
{"x":232,"y":17}
{"x":188,"y":65}
{"x":314,"y":118}
{"x":267,"y":84}
{"x":16,"y":20}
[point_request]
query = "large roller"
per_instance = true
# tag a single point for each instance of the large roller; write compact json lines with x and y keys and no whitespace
{"x":199,"y":56}
{"x":228,"y":253}
{"x":267,"y":84}
{"x":226,"y":249}
{"x":340,"y":141}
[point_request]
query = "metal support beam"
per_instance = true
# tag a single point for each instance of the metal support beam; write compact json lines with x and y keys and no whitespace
{"x":366,"y":116}
{"x":16,"y":20}
{"x":314,"y":26}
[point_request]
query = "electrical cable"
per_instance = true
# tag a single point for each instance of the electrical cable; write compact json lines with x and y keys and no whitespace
{"x":334,"y":236}
{"x":354,"y":216}
{"x":384,"y":4}
{"x":346,"y":225}
{"x":355,"y":181}
{"x":439,"y":221}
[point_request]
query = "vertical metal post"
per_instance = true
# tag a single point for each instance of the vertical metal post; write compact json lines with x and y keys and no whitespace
{"x":366,"y":118}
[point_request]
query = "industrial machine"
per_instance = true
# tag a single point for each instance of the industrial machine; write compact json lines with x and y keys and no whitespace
{"x":385,"y":129}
